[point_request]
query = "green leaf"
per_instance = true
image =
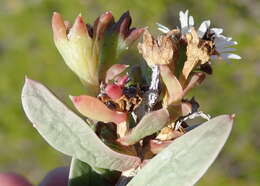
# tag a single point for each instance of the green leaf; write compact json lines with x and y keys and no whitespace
{"x":109,"y":54}
{"x":82,"y":174}
{"x":67,"y":132}
{"x":186,"y":160}
{"x":149,"y":124}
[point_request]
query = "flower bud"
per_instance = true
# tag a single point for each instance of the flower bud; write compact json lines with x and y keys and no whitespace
{"x":91,"y":51}
{"x":113,"y":91}
{"x":77,"y":51}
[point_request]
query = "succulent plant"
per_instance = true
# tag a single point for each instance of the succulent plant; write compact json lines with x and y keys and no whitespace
{"x":135,"y":124}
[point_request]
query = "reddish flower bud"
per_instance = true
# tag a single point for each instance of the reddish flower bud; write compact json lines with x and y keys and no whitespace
{"x":114,"y":91}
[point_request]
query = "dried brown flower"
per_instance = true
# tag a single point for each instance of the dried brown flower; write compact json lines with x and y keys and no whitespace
{"x":160,"y":51}
{"x":198,"y":53}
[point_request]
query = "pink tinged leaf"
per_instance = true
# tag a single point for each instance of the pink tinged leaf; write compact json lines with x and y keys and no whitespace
{"x":149,"y":124}
{"x":115,"y":70}
{"x":94,"y":109}
{"x":58,"y":27}
{"x":195,"y":80}
{"x":79,"y":28}
{"x":102,"y":23}
{"x":174,"y":88}
{"x":134,"y":35}
{"x":114,"y":91}
{"x":124,"y":24}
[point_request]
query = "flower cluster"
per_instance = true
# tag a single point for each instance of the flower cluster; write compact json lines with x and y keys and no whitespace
{"x":221,"y":43}
{"x":90,"y":50}
{"x":127,"y":105}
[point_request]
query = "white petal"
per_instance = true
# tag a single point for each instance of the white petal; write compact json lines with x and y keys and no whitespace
{"x":162,"y":28}
{"x":221,"y":38}
{"x":217,"y":30}
{"x":226,"y":38}
{"x":184,"y":21}
{"x":229,"y":56}
{"x":203,"y":28}
{"x":182,"y":18}
{"x":191,"y":21}
{"x":223,"y":43}
{"x":226,"y":50}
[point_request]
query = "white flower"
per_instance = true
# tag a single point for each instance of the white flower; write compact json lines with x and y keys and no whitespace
{"x":186,"y":22}
{"x":223,"y":44}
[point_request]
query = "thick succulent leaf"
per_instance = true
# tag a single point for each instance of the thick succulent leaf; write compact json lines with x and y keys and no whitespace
{"x":77,"y":50}
{"x":133,"y":35}
{"x":188,"y":157}
{"x":67,"y":132}
{"x":58,"y":27}
{"x":149,"y":124}
{"x":93,"y":108}
{"x":109,"y":54}
{"x":116,"y":39}
{"x":82,"y":174}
